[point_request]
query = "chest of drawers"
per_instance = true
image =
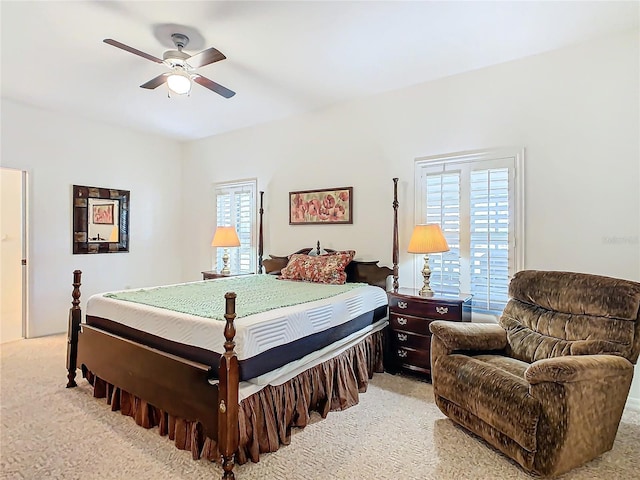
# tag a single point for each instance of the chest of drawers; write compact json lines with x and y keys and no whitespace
{"x":409,"y":319}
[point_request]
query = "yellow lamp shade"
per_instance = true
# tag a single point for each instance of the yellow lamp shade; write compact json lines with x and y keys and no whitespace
{"x":225,"y":237}
{"x":427,"y":239}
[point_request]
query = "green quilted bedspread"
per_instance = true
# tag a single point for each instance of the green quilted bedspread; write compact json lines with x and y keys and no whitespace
{"x":255,"y":294}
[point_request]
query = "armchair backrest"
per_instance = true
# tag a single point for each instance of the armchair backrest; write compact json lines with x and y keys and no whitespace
{"x":551,"y":314}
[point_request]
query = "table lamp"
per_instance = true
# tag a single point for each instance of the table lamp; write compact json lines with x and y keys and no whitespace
{"x":114,"y":236}
{"x":427,"y":239}
{"x":225,"y":237}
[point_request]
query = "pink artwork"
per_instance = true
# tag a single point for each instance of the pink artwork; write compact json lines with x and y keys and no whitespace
{"x":103,"y":214}
{"x":333,"y":206}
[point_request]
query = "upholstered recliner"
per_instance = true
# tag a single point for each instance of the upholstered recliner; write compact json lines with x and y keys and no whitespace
{"x":548,"y":384}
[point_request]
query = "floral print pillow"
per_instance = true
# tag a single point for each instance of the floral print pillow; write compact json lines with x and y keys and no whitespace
{"x":318,"y":269}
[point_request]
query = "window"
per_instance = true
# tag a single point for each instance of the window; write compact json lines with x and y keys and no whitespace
{"x":236,"y":206}
{"x":476,"y":198}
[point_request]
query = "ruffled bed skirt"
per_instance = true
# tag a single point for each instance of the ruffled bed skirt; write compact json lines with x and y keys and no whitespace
{"x":266,"y":417}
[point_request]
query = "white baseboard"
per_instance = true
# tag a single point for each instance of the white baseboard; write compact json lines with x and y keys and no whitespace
{"x":633,"y":404}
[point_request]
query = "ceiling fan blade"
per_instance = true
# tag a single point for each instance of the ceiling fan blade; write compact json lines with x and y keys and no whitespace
{"x":135,"y":51}
{"x":155,"y":82}
{"x":205,"y":57}
{"x":213,"y":86}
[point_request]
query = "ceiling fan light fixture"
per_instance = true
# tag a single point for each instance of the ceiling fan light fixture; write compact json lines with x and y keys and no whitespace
{"x":181,"y":67}
{"x":179,"y":82}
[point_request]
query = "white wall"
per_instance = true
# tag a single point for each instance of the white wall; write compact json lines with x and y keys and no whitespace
{"x":576,"y":111}
{"x":59,"y":152}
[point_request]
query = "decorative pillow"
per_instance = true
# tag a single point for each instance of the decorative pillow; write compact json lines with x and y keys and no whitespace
{"x":318,"y":269}
{"x":273,"y":265}
{"x":336,"y":252}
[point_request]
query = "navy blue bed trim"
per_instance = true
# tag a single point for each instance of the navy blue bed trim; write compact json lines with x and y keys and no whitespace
{"x":251,"y":367}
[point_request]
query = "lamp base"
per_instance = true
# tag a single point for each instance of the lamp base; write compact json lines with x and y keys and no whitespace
{"x":225,"y":263}
{"x":426,"y":290}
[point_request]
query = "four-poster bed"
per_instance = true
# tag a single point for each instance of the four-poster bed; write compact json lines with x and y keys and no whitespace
{"x":205,"y":404}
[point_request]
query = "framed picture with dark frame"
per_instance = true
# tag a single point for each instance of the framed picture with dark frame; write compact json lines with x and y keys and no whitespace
{"x":326,"y":206}
{"x":100,"y":220}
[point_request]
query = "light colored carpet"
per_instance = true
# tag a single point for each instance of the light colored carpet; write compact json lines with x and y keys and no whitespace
{"x":396,"y":431}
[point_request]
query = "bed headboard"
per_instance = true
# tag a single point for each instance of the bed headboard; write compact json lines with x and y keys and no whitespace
{"x":357,"y":271}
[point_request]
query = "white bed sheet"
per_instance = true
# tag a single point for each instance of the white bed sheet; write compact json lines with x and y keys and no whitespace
{"x":255,"y":334}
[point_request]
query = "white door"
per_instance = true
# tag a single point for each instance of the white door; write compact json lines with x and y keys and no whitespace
{"x":12,"y":271}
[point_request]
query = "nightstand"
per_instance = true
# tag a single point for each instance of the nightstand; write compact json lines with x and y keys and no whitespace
{"x":212,"y":275}
{"x":409,"y":319}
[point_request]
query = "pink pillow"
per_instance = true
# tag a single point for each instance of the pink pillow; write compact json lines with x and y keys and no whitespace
{"x":318,"y":269}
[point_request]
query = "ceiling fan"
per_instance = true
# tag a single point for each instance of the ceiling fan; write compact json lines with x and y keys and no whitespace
{"x":179,"y":78}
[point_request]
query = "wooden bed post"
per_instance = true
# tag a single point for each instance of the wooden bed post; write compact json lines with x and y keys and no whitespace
{"x":395,"y":234}
{"x":75,"y":316}
{"x":229,"y":375}
{"x":260,"y":238}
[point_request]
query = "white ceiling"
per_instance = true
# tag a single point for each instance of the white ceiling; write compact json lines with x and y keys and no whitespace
{"x":283,"y":58}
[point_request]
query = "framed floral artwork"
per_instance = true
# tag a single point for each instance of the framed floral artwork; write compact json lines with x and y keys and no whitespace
{"x":103,"y":213}
{"x":326,"y":206}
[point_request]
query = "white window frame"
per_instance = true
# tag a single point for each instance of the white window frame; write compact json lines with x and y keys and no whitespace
{"x":511,"y":157}
{"x":230,"y":187}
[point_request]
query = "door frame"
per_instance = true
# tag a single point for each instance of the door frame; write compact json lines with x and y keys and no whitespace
{"x":24,"y":234}
{"x":25,"y":254}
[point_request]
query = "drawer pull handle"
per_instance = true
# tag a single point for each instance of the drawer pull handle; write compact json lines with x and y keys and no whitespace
{"x":402,"y":321}
{"x":402,"y":354}
{"x":402,"y":337}
{"x":402,"y":304}
{"x":442,"y":310}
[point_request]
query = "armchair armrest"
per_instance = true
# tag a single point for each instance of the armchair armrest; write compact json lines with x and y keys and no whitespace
{"x":469,"y":336}
{"x":576,"y":368}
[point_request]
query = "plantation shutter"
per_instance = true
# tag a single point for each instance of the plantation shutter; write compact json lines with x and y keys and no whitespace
{"x":476,"y":198}
{"x":443,"y":208}
{"x":489,"y":238}
{"x":235,"y":206}
{"x":244,"y":226}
